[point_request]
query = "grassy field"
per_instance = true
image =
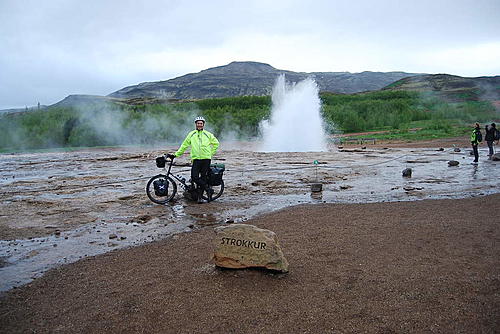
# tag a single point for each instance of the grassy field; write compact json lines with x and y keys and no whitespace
{"x":397,"y":113}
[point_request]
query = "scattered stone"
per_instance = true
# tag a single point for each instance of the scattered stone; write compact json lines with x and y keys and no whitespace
{"x":456,"y":149}
{"x":417,"y":161}
{"x":441,"y":149}
{"x":50,"y":226}
{"x":144,"y":219}
{"x":453,"y":163}
{"x":495,"y":157}
{"x":113,"y":236}
{"x":123,"y":238}
{"x":124,"y":198}
{"x":240,"y":246}
{"x":345,"y":187}
{"x":54,"y":245}
{"x":407,"y":172}
{"x":409,"y":188}
{"x":57,"y":233}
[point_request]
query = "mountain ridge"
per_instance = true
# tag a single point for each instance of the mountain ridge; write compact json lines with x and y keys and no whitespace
{"x":253,"y":78}
{"x":452,"y":88}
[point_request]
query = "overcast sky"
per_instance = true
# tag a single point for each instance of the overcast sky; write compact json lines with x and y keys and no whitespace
{"x":53,"y":48}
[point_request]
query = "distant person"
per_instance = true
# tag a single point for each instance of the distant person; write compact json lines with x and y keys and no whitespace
{"x":203,"y":147}
{"x":490,"y":136}
{"x":475,"y":138}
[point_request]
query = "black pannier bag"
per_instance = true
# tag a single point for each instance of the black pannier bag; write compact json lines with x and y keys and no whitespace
{"x":215,"y":174}
{"x":160,"y":162}
{"x":161,"y":187}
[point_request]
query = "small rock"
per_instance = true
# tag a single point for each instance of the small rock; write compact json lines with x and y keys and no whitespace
{"x":407,"y":172}
{"x":57,"y":233}
{"x":441,"y":149}
{"x":123,"y":238}
{"x":113,"y":236}
{"x":495,"y":157}
{"x":453,"y":163}
{"x":456,"y":149}
{"x":410,"y":188}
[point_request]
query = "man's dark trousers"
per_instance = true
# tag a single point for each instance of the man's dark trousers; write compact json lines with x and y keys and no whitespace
{"x":476,"y":153}
{"x":199,"y":174}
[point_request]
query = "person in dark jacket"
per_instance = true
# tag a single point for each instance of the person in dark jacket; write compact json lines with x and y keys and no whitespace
{"x":490,"y":136}
{"x":475,"y":139}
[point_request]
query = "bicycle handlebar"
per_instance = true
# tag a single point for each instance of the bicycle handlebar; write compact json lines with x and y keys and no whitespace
{"x":170,"y":156}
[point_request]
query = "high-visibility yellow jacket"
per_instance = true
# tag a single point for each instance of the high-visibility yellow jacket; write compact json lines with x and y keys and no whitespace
{"x":476,"y":136}
{"x":203,"y":145}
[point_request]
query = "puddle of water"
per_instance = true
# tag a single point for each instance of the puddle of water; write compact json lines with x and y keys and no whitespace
{"x":30,"y":258}
{"x":256,"y":183}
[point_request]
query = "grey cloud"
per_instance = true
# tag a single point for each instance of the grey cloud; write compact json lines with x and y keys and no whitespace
{"x":58,"y":47}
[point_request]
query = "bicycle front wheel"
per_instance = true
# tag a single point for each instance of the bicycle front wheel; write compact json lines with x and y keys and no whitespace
{"x":218,"y":190}
{"x":161,"y":189}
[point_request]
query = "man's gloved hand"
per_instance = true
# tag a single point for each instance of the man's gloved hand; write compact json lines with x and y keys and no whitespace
{"x":171,"y":156}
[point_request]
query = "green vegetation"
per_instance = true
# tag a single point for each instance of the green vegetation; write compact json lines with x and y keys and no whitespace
{"x":402,"y":110}
{"x":105,"y":124}
{"x":238,"y":115}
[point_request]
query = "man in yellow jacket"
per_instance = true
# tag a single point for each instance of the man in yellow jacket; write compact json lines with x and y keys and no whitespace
{"x":203,"y":147}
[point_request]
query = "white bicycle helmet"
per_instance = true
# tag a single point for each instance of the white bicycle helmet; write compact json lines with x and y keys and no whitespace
{"x":199,"y":118}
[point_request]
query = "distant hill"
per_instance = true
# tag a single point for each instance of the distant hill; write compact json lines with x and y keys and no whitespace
{"x":253,"y":78}
{"x":451,"y":87}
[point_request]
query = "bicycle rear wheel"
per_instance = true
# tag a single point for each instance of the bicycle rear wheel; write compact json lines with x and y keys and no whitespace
{"x":164,"y":191}
{"x":218,"y":190}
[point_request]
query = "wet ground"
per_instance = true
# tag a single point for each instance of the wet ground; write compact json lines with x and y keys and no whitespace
{"x":59,"y":207}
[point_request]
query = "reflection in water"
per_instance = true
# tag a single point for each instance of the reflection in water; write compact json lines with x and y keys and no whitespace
{"x":474,"y":172}
{"x":317,"y":197}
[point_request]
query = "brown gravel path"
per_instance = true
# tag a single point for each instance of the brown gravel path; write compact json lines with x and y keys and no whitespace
{"x":406,"y":267}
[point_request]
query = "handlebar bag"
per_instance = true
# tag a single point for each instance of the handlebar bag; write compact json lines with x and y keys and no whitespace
{"x":160,"y":162}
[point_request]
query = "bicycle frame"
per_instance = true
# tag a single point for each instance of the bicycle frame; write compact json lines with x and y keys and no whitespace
{"x":179,"y":178}
{"x":161,"y":194}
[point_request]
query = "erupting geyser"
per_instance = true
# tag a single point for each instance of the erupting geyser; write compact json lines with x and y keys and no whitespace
{"x":296,"y":124}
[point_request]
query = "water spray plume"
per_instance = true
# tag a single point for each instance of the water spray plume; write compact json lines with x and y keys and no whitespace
{"x":296,"y":124}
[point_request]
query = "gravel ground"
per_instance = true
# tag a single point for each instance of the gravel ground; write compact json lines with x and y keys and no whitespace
{"x":400,"y":267}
